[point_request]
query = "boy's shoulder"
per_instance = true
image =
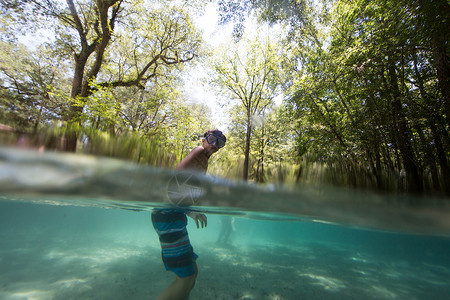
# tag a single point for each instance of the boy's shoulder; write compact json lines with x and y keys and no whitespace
{"x":197,"y":150}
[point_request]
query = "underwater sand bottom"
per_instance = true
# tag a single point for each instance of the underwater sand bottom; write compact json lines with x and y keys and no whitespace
{"x":71,"y":269}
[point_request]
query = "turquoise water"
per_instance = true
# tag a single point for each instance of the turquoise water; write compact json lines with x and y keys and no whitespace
{"x":78,"y":227}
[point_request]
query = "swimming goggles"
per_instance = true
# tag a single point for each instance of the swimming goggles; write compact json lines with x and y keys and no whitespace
{"x":218,"y":141}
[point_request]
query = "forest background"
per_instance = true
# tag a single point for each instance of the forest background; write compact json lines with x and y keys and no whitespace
{"x":365,"y":86}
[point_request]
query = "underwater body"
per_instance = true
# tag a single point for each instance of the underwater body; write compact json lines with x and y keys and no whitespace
{"x":79,"y":227}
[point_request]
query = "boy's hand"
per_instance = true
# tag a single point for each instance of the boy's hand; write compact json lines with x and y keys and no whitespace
{"x":198,"y":218}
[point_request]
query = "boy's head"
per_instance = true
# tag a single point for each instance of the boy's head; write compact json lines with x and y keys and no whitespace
{"x":215,"y":138}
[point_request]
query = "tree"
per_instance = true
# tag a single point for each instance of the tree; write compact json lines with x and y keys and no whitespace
{"x":433,"y":24}
{"x":153,"y":40}
{"x":294,"y":13}
{"x":142,"y":110}
{"x":376,"y":96}
{"x":249,"y":76}
{"x":33,"y":86}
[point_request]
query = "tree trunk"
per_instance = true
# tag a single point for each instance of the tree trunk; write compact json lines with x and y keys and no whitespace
{"x":76,"y":107}
{"x":260,"y":168}
{"x":247,"y":148}
{"x":81,"y":79}
{"x":442,"y":157}
{"x":402,"y":133}
{"x":299,"y":174}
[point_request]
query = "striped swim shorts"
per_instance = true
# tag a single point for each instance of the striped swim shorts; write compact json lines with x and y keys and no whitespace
{"x":177,"y":253}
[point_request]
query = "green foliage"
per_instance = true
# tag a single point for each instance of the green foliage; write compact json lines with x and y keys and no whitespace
{"x":123,"y":101}
{"x":249,"y":77}
{"x":364,"y":103}
{"x":31,"y":86}
{"x":150,"y":43}
{"x":133,"y":146}
{"x":271,"y":157}
{"x":294,"y":13}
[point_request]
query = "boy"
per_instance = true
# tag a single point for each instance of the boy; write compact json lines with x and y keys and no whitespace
{"x":170,"y":224}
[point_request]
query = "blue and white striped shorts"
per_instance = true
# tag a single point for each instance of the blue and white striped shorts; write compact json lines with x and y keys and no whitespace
{"x":177,"y":253}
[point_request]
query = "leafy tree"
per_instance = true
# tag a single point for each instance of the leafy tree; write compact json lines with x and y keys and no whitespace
{"x":249,"y":76}
{"x":372,"y":99}
{"x":432,"y":21}
{"x":271,"y":147}
{"x":294,"y":13}
{"x":142,"y":110}
{"x":185,"y":126}
{"x":32,"y":86}
{"x":152,"y":41}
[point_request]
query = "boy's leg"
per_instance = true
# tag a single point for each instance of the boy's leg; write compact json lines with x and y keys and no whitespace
{"x":179,"y":289}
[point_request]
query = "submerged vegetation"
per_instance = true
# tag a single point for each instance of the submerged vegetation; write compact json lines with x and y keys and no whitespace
{"x":365,"y":86}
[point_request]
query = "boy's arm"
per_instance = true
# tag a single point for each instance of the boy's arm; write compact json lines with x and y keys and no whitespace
{"x":188,"y":161}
